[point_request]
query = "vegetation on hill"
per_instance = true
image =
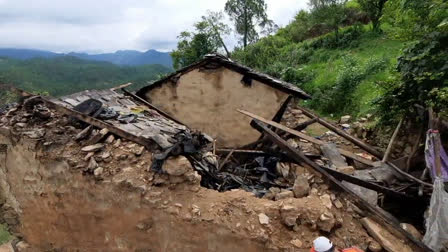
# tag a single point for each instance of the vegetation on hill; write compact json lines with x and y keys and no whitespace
{"x":356,"y":69}
{"x":65,"y":75}
{"x":354,"y":57}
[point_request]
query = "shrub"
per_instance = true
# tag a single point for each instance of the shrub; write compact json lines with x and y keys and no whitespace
{"x":297,"y":75}
{"x":423,"y":78}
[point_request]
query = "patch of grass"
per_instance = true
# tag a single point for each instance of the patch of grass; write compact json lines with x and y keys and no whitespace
{"x":327,"y":63}
{"x":4,"y":235}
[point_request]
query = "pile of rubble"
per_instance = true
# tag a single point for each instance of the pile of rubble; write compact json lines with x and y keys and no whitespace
{"x":267,"y":194}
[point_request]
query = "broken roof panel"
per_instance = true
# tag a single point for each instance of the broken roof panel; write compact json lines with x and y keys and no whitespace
{"x":149,"y":123}
{"x":228,"y":63}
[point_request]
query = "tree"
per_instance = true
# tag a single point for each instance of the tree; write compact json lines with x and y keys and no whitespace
{"x":329,"y":12}
{"x":248,"y":15}
{"x":217,"y":28}
{"x":374,"y":9}
{"x":206,"y":38}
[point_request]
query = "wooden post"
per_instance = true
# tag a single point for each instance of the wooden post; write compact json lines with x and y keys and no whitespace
{"x":392,"y":140}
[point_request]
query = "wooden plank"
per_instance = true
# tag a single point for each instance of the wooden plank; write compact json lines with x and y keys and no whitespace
{"x":374,"y":212}
{"x":388,"y":241}
{"x":151,"y":106}
{"x":378,"y":188}
{"x":306,"y":137}
{"x":342,"y":133}
{"x":278,"y":116}
{"x":121,"y":86}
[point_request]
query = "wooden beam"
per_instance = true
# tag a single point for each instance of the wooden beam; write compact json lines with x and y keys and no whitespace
{"x":374,"y":212}
{"x":279,"y":115}
{"x":165,"y":114}
{"x":306,"y":137}
{"x":378,"y":188}
{"x":121,"y":86}
{"x":392,"y":141}
{"x":301,"y":126}
{"x":358,"y":142}
{"x":342,"y":151}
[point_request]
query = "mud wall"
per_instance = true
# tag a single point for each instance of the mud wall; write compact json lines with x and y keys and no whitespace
{"x":62,"y":210}
{"x":207,"y":100}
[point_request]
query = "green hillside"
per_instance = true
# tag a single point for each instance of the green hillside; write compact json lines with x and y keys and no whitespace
{"x":343,"y":78}
{"x":353,"y":66}
{"x":65,"y":75}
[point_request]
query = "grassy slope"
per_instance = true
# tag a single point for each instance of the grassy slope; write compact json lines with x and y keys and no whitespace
{"x":326,"y":68}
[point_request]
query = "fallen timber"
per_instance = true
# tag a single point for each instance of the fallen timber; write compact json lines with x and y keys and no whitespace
{"x":342,"y":133}
{"x":375,"y":213}
{"x":343,"y":152}
{"x":306,"y":137}
{"x":339,"y":175}
{"x":150,"y":105}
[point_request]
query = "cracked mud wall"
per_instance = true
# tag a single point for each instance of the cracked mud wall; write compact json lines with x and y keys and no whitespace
{"x":61,"y":209}
{"x":207,"y":100}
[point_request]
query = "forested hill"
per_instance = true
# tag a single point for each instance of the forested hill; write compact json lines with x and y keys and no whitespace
{"x":67,"y":74}
{"x":122,"y":58}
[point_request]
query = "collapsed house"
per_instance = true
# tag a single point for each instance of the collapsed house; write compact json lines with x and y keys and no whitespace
{"x":206,"y":95}
{"x":106,"y":170}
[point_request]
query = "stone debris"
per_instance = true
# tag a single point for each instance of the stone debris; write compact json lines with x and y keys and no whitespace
{"x":326,"y":222}
{"x":284,"y":195}
{"x":297,"y":243}
{"x":84,"y":133}
{"x":301,"y":187}
{"x":263,"y":219}
{"x":375,"y":247}
{"x":177,"y":166}
{"x":93,"y":148}
{"x":326,"y":201}
{"x":345,"y":119}
{"x":98,"y":171}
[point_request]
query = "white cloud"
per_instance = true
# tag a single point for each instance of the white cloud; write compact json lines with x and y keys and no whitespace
{"x":110,"y":25}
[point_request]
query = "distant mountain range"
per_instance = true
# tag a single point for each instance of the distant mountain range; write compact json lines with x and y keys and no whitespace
{"x":123,"y":58}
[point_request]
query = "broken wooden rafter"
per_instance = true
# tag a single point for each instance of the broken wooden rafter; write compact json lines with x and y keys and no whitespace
{"x":378,"y":188}
{"x":151,"y":106}
{"x":342,"y":151}
{"x":342,"y":133}
{"x":306,"y":137}
{"x":375,"y":213}
{"x":301,"y":126}
{"x":121,"y":86}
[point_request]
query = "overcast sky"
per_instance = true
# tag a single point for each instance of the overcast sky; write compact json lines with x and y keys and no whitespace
{"x":110,"y":25}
